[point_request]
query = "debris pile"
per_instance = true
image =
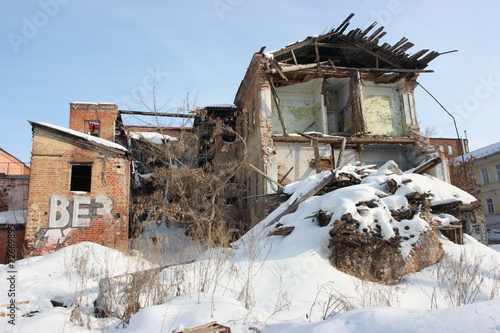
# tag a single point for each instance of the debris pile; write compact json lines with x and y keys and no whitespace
{"x":381,"y":223}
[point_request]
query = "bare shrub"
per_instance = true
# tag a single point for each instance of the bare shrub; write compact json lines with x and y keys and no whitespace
{"x":330,"y":302}
{"x":463,"y":281}
{"x":374,"y":294}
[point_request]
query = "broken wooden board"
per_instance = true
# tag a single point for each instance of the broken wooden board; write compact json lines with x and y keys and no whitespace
{"x":427,"y":165}
{"x":281,"y":231}
{"x":291,"y":205}
{"x":211,"y":327}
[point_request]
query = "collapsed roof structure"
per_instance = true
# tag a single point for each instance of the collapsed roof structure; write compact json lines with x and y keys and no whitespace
{"x":325,"y":101}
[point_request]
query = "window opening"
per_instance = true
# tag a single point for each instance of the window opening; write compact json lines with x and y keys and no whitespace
{"x":81,"y":175}
{"x":485,"y":176}
{"x":93,"y":127}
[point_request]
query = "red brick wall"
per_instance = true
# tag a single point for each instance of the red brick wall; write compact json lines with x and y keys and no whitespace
{"x":105,"y":113}
{"x":257,"y":132}
{"x":454,"y":143}
{"x":48,"y":228}
{"x":428,"y":251}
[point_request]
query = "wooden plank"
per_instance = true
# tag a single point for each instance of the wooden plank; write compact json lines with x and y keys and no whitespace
{"x":277,"y":66}
{"x":304,"y":68}
{"x":278,"y":105}
{"x":427,"y":165}
{"x":286,"y":174}
{"x":292,"y":203}
{"x":281,"y":231}
{"x":294,"y":58}
{"x":344,"y":24}
{"x":367,"y":50}
{"x":265,"y":175}
{"x":211,"y":327}
{"x":157,"y":114}
{"x":310,"y":137}
{"x":316,"y":49}
{"x":332,"y":146}
{"x":350,"y":141}
{"x":375,"y":33}
{"x":317,"y":158}
{"x":341,"y":152}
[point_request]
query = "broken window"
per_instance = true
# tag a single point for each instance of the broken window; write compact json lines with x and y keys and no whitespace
{"x":92,"y":127}
{"x":81,"y":175}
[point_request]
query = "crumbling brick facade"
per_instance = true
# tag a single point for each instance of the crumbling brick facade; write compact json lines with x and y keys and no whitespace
{"x":80,"y":186}
{"x":95,"y":119}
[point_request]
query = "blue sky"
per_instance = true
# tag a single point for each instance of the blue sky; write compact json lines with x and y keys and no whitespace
{"x":54,"y":52}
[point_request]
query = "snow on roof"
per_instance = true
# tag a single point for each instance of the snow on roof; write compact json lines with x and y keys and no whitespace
{"x":222,"y":106}
{"x":154,"y":122}
{"x":100,"y":141}
{"x":481,"y":152}
{"x":13,"y":217}
{"x":153,"y":137}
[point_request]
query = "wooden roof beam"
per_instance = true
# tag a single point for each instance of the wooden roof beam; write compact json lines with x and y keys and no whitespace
{"x":381,"y":57}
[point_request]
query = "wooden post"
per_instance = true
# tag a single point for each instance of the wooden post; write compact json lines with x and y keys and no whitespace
{"x":286,"y":174}
{"x":341,"y":153}
{"x":317,"y":158}
{"x":278,"y":105}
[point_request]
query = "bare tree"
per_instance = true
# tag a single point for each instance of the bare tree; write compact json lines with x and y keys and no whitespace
{"x":181,"y":181}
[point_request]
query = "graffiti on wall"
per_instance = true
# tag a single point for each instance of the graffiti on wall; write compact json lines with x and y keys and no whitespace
{"x":68,"y":214}
{"x":78,"y":211}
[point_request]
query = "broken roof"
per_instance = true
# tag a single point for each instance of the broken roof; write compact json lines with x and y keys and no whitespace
{"x":355,"y":50}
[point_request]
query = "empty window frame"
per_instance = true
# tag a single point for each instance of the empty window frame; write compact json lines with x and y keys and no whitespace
{"x":490,"y":206}
{"x":81,"y":176}
{"x":485,"y":175}
{"x":93,"y":127}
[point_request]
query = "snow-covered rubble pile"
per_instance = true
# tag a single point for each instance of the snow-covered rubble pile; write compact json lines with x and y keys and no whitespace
{"x":376,"y":226}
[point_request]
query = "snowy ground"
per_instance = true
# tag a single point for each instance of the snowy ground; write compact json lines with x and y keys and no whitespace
{"x":288,"y":294}
{"x":272,"y":284}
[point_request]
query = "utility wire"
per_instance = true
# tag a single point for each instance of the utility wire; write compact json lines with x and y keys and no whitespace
{"x":454,"y":123}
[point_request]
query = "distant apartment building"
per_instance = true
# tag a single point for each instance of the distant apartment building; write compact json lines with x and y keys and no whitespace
{"x":451,"y":148}
{"x":487,"y":174}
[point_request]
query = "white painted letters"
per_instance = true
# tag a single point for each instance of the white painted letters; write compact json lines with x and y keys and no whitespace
{"x":78,"y":211}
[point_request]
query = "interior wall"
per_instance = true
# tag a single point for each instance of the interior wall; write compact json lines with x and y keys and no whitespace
{"x":302,"y":106}
{"x":383,"y":111}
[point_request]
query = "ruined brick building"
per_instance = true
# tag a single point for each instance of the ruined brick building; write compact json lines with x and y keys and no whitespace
{"x":326,"y":101}
{"x":80,"y":182}
{"x":82,"y":177}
